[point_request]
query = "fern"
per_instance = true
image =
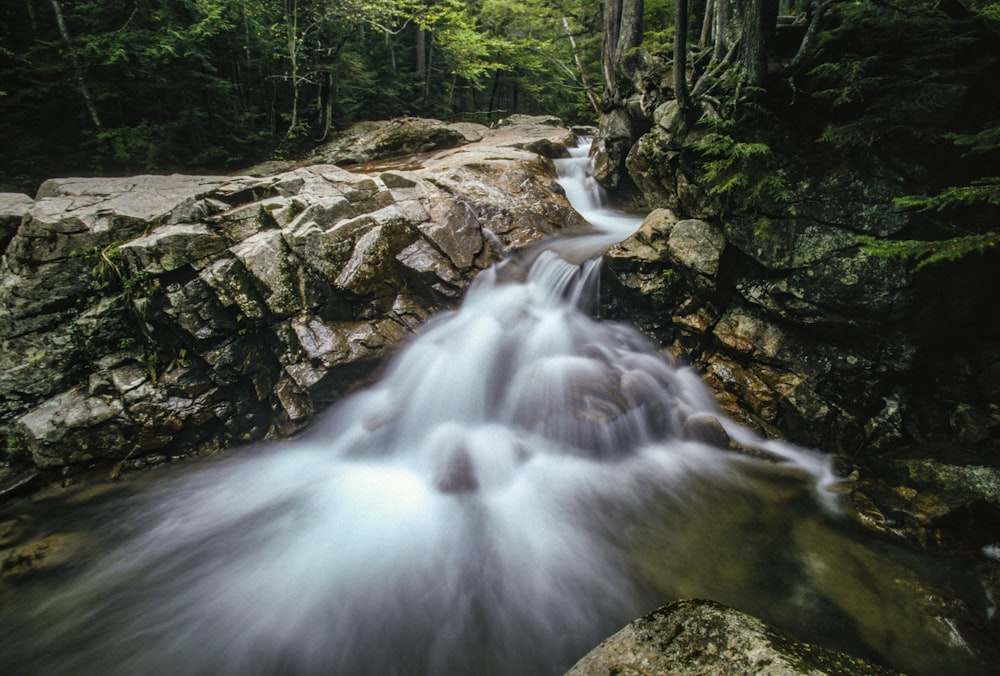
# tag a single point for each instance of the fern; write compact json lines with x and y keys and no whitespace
{"x":981,"y":191}
{"x":743,"y":172}
{"x":930,"y":252}
{"x":980,"y":143}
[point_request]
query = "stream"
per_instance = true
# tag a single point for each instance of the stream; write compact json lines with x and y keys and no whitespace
{"x":520,"y":482}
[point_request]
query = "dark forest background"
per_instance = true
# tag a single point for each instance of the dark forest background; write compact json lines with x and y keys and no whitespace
{"x":151,"y":85}
{"x":127,"y":86}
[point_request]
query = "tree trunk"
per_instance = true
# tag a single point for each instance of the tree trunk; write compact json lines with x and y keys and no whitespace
{"x":706,"y":24}
{"x":681,"y":92}
{"x":630,"y":32}
{"x":591,"y":96}
{"x":758,"y":31}
{"x":722,"y":24}
{"x":421,"y":63}
{"x":392,"y":52}
{"x":325,"y":105}
{"x":81,"y":83}
{"x":809,"y":39}
{"x":32,"y":22}
{"x":426,"y":93}
{"x":622,"y":33}
{"x":753,"y":64}
{"x":292,"y":42}
{"x":612,"y":25}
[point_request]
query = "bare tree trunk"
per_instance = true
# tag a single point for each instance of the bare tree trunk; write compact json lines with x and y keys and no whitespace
{"x":622,"y":33}
{"x":591,"y":96}
{"x":681,"y":92}
{"x":30,"y":6}
{"x":392,"y":52}
{"x":706,"y":24}
{"x":612,"y":25}
{"x":630,"y":32}
{"x":81,"y":83}
{"x":292,"y":28}
{"x":325,"y":106}
{"x":421,"y":63}
{"x":493,"y":95}
{"x":426,"y":94}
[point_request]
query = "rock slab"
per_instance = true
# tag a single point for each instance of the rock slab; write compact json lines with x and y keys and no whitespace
{"x":151,"y":316}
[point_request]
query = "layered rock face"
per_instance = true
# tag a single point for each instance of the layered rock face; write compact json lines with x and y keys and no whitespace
{"x":805,"y":334}
{"x":838,"y":348}
{"x":154,"y":316}
{"x":798,"y":329}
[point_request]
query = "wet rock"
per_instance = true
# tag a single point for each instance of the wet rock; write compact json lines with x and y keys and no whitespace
{"x":650,"y":242}
{"x":702,"y":637}
{"x":706,"y":429}
{"x":171,"y":247}
{"x":616,"y":136}
{"x":458,"y":475}
{"x":973,"y":482}
{"x":45,"y":555}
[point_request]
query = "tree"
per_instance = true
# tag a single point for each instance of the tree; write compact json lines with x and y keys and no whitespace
{"x":681,"y":92}
{"x":622,"y":34}
{"x":121,"y":86}
{"x":758,"y":23}
{"x":81,"y":81}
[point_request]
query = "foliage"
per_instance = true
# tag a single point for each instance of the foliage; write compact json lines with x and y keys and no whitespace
{"x":927,"y":252}
{"x":980,"y":198}
{"x":991,"y":11}
{"x":658,"y":23}
{"x":203,"y":84}
{"x":746,"y":174}
{"x":899,"y":68}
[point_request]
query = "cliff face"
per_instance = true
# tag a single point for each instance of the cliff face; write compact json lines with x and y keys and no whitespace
{"x":754,"y":265}
{"x":154,"y":316}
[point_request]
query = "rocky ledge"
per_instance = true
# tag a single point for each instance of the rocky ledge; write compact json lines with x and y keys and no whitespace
{"x":148,"y":317}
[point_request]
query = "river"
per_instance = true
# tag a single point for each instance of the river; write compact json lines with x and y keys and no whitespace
{"x":519,"y":483}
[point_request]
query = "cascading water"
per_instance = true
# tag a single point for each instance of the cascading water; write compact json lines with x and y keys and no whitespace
{"x":516,"y":486}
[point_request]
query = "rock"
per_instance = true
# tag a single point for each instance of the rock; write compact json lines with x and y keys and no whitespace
{"x":149,"y":316}
{"x":650,"y":242}
{"x":43,"y":556}
{"x":900,"y":608}
{"x":13,"y":208}
{"x":615,"y":137}
{"x":458,"y":475}
{"x":171,"y":247}
{"x":697,"y":244}
{"x":970,"y":483}
{"x":703,"y":637}
{"x":366,"y":142}
{"x":706,"y":429}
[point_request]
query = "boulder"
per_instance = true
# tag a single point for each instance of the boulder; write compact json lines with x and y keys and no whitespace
{"x":702,"y":637}
{"x":13,"y":207}
{"x":149,"y":316}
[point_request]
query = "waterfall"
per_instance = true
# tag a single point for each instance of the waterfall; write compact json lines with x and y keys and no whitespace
{"x":516,"y":486}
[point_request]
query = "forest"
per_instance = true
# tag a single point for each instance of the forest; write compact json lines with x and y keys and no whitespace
{"x":127,"y":86}
{"x":151,"y":85}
